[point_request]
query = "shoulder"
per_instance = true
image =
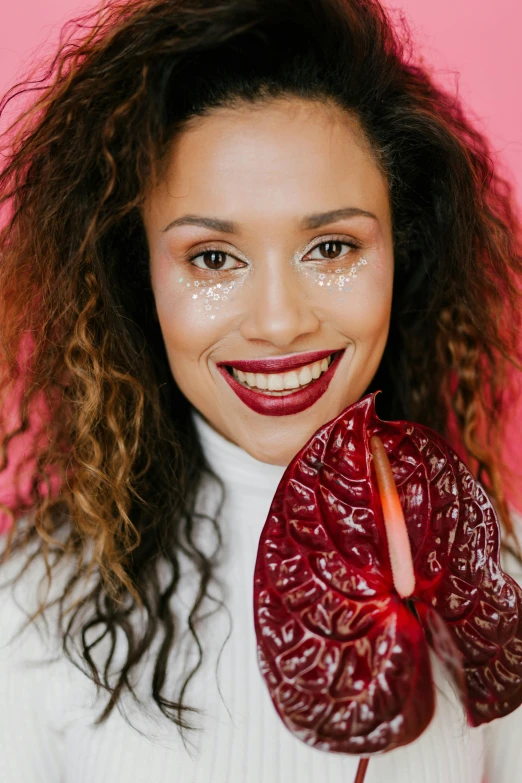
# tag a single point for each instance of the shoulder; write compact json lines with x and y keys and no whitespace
{"x":30,"y":647}
{"x":502,"y":736}
{"x":18,"y":600}
{"x":44,"y":690}
{"x":35,"y":693}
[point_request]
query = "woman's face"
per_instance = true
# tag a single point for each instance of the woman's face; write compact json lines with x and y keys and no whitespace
{"x":270,"y":237}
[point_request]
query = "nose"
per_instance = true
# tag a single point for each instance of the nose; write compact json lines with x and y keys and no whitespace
{"x":277,"y":310}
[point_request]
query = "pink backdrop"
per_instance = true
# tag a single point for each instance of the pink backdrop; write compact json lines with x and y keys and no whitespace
{"x":474,"y":44}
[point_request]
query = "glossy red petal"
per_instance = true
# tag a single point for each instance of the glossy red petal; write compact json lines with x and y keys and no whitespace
{"x":455,"y":537}
{"x":345,"y":660}
{"x":458,"y":573}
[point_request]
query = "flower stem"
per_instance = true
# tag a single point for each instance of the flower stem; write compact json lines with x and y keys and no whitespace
{"x":361,"y":770}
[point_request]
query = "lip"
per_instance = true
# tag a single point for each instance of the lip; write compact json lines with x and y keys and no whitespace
{"x":287,"y":404}
{"x":277,"y":363}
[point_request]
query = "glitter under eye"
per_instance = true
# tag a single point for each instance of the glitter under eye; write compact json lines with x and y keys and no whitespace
{"x":342,"y":280}
{"x":210,"y":293}
{"x":339,"y":280}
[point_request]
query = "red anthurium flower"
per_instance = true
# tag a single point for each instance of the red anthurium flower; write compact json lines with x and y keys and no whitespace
{"x":343,"y":627}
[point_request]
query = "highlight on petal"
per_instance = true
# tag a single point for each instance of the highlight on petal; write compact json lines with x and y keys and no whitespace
{"x":397,"y":533}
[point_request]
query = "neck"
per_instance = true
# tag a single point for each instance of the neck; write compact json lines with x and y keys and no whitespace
{"x":232,"y":463}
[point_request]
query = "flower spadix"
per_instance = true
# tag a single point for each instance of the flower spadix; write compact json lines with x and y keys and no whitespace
{"x":357,"y":574}
{"x":396,"y":531}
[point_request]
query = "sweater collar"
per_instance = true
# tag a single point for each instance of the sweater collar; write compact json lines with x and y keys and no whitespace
{"x":232,"y":463}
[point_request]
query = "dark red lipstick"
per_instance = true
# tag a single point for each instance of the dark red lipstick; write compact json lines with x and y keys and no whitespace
{"x":277,"y":363}
{"x":286,"y":404}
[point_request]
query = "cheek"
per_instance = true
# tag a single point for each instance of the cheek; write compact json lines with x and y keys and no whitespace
{"x":188,"y":298}
{"x":356,"y":298}
{"x":368,"y":309}
{"x":186,"y":340}
{"x":193,"y":314}
{"x":186,"y":331}
{"x":178,"y":316}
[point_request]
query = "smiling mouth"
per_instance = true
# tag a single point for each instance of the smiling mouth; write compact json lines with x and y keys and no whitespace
{"x":283,"y":384}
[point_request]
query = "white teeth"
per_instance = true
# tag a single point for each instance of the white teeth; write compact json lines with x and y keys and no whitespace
{"x":275,"y":382}
{"x":261,"y":381}
{"x":291,"y":380}
{"x":316,"y":370}
{"x":305,"y":375}
{"x":281,"y":381}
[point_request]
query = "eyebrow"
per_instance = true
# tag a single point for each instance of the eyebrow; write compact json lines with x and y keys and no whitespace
{"x":309,"y":222}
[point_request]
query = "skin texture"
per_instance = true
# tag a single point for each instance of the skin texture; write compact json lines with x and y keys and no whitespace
{"x":266,"y":167}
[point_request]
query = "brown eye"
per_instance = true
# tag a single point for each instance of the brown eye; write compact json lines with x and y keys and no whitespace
{"x":331,"y":249}
{"x":214,"y":259}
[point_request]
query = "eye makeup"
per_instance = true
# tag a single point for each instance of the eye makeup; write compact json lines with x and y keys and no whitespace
{"x":337,"y":280}
{"x":331,"y":275}
{"x":209,"y":295}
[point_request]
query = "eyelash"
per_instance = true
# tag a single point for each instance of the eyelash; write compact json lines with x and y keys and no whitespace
{"x":210,"y":248}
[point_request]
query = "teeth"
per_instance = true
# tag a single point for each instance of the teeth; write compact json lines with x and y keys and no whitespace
{"x":278,"y":382}
{"x":316,"y":370}
{"x":275,"y":382}
{"x":305,"y":376}
{"x":291,"y":380}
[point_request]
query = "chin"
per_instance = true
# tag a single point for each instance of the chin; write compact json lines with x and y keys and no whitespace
{"x":274,"y":454}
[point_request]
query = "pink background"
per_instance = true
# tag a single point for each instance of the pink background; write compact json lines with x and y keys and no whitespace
{"x":475,"y":45}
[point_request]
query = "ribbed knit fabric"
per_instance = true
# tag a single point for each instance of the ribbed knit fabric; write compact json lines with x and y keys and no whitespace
{"x":47,"y":714}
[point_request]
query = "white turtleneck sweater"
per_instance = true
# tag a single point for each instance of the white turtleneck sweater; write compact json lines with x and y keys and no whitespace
{"x":47,"y":714}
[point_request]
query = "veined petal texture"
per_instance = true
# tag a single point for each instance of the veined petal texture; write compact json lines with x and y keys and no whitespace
{"x":345,"y":659}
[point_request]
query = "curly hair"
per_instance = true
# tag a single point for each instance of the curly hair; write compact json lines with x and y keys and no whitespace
{"x":116,"y":465}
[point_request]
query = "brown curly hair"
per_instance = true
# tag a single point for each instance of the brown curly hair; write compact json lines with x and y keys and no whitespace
{"x":78,"y":332}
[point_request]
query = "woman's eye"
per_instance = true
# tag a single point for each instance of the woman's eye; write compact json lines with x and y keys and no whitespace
{"x":218,"y":260}
{"x":331,"y":249}
{"x":212,"y":260}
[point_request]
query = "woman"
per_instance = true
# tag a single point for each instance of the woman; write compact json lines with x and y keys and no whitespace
{"x":210,"y":204}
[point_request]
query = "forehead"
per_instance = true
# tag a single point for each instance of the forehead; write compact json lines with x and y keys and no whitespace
{"x":284,"y":156}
